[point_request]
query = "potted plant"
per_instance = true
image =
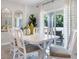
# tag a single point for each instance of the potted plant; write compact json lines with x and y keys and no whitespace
{"x":32,"y":23}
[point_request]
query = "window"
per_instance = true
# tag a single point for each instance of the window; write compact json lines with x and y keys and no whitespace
{"x":18,"y":19}
{"x":6,"y":19}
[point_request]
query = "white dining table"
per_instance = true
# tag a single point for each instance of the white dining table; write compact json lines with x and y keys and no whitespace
{"x":38,"y":39}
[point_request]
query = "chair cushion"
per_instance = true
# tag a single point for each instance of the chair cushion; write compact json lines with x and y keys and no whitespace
{"x":30,"y":48}
{"x":58,"y":51}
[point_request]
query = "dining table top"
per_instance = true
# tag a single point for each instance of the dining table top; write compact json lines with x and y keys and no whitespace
{"x":39,"y":38}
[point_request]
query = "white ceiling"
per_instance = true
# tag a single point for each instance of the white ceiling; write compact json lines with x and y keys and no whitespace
{"x":28,"y":2}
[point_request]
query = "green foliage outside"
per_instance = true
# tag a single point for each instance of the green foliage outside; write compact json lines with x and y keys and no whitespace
{"x":45,"y":21}
{"x":59,"y":20}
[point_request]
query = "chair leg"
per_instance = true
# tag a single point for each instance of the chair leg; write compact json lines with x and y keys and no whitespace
{"x":49,"y":57}
{"x":14,"y":55}
{"x":41,"y":54}
{"x":25,"y":57}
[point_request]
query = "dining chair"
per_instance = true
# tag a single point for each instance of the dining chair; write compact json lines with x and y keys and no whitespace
{"x":13,"y":44}
{"x":59,"y":51}
{"x":24,"y":49}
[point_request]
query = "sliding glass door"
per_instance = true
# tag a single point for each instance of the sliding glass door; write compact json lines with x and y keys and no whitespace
{"x":53,"y":25}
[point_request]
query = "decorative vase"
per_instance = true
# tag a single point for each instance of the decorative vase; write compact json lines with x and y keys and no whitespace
{"x":31,"y":27}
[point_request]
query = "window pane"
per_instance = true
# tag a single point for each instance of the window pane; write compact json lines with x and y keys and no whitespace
{"x":45,"y":21}
{"x":59,"y":20}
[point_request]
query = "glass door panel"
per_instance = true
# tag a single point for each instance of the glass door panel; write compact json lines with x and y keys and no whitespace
{"x":53,"y":25}
{"x":58,"y":19}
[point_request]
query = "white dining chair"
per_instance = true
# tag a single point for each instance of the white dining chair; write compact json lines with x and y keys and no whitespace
{"x":24,"y":49}
{"x":58,"y":51}
{"x":13,"y":44}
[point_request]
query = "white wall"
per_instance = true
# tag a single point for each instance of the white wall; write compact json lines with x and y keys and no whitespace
{"x":11,"y":5}
{"x":74,"y":21}
{"x":74,"y":14}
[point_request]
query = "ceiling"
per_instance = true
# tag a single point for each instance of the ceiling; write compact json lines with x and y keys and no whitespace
{"x":28,"y":2}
